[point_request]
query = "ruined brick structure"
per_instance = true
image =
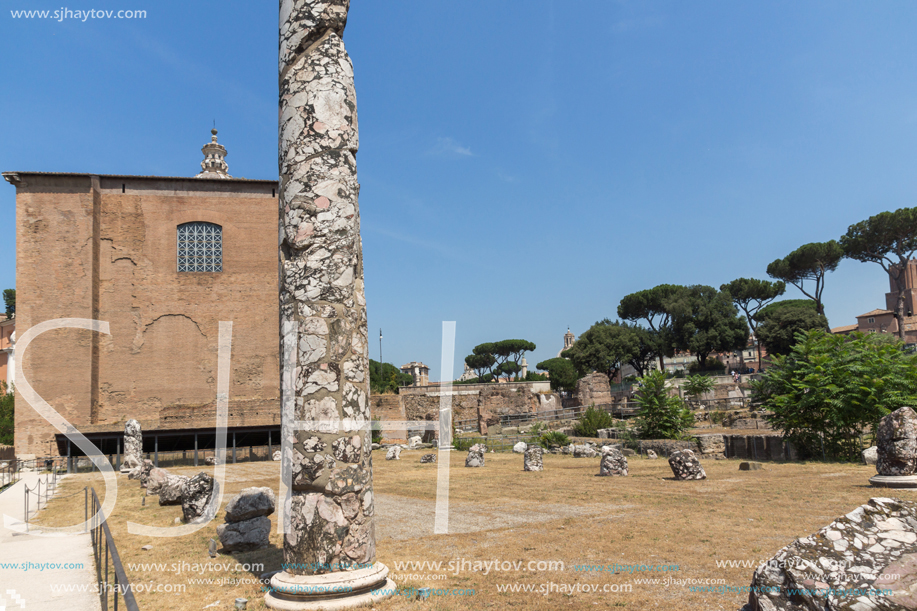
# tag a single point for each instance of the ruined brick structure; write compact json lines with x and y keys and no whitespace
{"x":108,"y":248}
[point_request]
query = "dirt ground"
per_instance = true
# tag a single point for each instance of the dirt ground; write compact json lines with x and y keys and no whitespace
{"x":556,"y":533}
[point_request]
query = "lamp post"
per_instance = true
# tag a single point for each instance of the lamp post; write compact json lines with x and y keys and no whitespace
{"x":380,"y":349}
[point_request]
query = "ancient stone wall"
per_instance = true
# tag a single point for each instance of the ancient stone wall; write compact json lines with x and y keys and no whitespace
{"x":593,"y":389}
{"x":105,"y":248}
{"x":494,"y":400}
{"x":389,"y":408}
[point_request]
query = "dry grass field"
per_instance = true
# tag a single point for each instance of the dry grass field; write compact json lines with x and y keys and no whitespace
{"x":499,"y":513}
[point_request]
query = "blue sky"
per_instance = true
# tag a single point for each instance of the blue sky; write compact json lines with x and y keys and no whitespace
{"x":524,"y":165}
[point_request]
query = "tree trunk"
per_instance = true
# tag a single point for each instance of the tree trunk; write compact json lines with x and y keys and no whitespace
{"x":899,"y":310}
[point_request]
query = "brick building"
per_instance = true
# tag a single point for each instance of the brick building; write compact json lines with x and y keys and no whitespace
{"x":883,"y":320}
{"x":163,"y":261}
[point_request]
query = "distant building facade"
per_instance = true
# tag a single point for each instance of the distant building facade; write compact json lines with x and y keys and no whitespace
{"x":883,"y":320}
{"x":418,"y":371}
{"x":163,"y":261}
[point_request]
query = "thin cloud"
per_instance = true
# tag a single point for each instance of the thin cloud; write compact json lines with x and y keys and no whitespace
{"x":448,"y":146}
{"x":444,"y":251}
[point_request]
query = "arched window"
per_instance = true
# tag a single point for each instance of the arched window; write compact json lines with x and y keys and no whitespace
{"x":200,"y":247}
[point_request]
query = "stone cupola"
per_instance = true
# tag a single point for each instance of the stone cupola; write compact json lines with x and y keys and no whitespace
{"x":214,"y":163}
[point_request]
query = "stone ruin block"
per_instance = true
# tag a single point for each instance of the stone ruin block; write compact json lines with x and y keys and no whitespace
{"x":533,"y":459}
{"x":475,"y":456}
{"x":896,"y":443}
{"x":685,"y":466}
{"x":196,"y":494}
{"x":614,"y":463}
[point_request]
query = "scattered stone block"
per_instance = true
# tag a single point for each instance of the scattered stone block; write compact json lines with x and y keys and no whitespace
{"x":584,"y":451}
{"x":250,"y":503}
{"x":651,"y":455}
{"x":520,"y":447}
{"x":428,"y":458}
{"x":870,"y":455}
{"x":154,"y":482}
{"x":871,"y":548}
{"x":245,"y":536}
{"x":196,"y":494}
{"x":277,"y":455}
{"x":896,"y":442}
{"x":393,"y":453}
{"x":414,"y":442}
{"x":750,"y":466}
{"x":144,"y":473}
{"x":147,"y":548}
{"x":510,"y":430}
{"x":628,"y":452}
{"x":614,"y":463}
{"x":170,"y":491}
{"x":475,"y":456}
{"x":685,"y":466}
{"x":533,"y":459}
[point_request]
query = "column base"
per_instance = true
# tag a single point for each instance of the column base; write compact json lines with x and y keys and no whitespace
{"x":329,"y":591}
{"x":894,"y":481}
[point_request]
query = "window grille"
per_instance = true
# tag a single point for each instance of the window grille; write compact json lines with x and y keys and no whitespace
{"x":200,"y":247}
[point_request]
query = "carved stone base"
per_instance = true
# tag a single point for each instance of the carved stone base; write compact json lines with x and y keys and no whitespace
{"x":894,"y":481}
{"x":329,"y":591}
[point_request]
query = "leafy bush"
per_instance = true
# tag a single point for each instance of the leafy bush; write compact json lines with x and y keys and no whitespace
{"x":463,"y":444}
{"x":697,"y":385}
{"x":832,"y":388}
{"x":591,"y":421}
{"x":661,"y":415}
{"x":553,"y":438}
{"x":6,"y":414}
{"x":537,"y":428}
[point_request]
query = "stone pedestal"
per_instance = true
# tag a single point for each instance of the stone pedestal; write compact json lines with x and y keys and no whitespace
{"x":329,"y":591}
{"x":894,"y":481}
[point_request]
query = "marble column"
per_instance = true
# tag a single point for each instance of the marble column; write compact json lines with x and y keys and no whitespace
{"x":329,"y":539}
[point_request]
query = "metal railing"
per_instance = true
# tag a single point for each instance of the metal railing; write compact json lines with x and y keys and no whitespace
{"x":46,"y":489}
{"x":112,"y":578}
{"x":9,"y":474}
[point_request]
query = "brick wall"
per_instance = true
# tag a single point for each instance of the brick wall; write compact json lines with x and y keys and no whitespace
{"x":104,"y":248}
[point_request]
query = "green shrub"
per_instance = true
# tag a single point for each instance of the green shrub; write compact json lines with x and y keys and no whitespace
{"x":7,"y":412}
{"x":697,"y":385}
{"x":464,"y":443}
{"x":537,"y":428}
{"x":553,"y":438}
{"x":832,"y":388}
{"x":661,"y":415}
{"x":591,"y":421}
